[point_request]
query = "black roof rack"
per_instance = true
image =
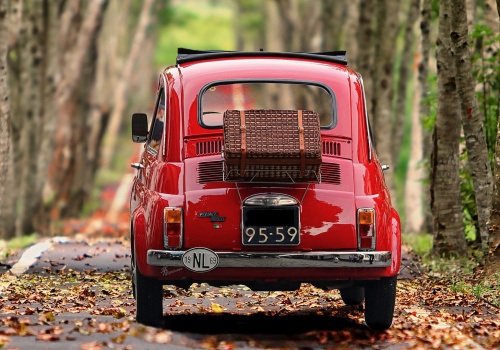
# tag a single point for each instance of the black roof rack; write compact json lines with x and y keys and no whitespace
{"x":188,"y":55}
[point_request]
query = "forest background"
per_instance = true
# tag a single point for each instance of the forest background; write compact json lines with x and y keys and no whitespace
{"x":72,"y":72}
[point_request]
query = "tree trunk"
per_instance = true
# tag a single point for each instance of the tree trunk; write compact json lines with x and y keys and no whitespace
{"x":490,"y":15}
{"x":471,"y":118}
{"x":471,"y":14}
{"x":351,"y":28}
{"x":4,"y":109}
{"x":449,"y":236}
{"x":413,"y":187}
{"x":31,"y":75}
{"x":387,"y":29}
{"x":423,"y":76}
{"x":62,"y":168}
{"x":120,"y":101}
{"x":493,"y":265}
{"x":406,"y":62}
{"x":51,"y":78}
{"x":15,"y":21}
{"x":332,"y":20}
{"x":364,"y":38}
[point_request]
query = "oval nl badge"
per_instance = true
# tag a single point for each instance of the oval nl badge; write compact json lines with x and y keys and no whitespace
{"x":200,"y":259}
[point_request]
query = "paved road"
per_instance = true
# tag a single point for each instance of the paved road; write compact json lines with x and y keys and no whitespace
{"x":241,"y":319}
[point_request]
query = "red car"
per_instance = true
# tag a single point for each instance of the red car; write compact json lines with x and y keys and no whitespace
{"x":192,"y":222}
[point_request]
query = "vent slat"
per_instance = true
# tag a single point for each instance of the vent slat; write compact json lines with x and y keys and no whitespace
{"x":204,"y":148}
{"x":331,"y":148}
{"x":330,"y":173}
{"x":210,"y":172}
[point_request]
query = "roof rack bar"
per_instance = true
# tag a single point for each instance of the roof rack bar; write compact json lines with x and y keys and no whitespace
{"x":188,"y":55}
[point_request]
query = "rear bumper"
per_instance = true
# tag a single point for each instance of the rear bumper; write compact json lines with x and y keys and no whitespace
{"x":280,"y":260}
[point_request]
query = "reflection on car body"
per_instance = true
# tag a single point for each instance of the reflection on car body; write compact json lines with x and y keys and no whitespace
{"x":191,"y":222}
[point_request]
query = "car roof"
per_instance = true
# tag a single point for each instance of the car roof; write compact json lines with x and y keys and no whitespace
{"x":188,"y":55}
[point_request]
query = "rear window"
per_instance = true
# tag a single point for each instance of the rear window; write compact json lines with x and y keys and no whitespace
{"x":216,"y":98}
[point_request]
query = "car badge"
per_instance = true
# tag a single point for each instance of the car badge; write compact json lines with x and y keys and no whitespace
{"x":213,"y":215}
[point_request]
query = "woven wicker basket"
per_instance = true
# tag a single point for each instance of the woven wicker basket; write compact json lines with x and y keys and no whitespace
{"x":272,"y":145}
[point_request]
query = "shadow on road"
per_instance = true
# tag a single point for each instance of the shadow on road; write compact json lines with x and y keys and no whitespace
{"x":256,"y":324}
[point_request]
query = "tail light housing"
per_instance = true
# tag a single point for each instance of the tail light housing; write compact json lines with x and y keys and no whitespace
{"x":367,"y":234}
{"x":173,"y":219}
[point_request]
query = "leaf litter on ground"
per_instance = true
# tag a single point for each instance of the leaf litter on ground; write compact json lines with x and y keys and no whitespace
{"x":428,"y":313}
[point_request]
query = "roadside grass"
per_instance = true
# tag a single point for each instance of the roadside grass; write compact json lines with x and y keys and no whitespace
{"x":17,"y":243}
{"x":420,"y":243}
{"x":462,"y":274}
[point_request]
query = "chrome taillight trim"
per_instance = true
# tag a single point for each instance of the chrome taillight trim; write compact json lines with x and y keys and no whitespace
{"x":165,"y":230}
{"x":374,"y":240}
{"x":277,"y":196}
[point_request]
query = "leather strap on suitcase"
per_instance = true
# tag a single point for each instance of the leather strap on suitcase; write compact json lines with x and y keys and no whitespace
{"x":243,"y":130}
{"x":301,"y":144}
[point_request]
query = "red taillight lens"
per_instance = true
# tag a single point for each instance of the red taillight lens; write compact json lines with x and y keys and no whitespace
{"x":172,"y":227}
{"x":366,"y":229}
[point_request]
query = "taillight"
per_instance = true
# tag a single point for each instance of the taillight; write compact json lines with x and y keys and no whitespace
{"x":172,"y":227}
{"x":366,"y":229}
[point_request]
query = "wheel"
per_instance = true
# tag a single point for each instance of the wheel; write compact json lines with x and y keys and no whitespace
{"x":353,"y":295}
{"x":148,"y":294}
{"x":380,"y":302}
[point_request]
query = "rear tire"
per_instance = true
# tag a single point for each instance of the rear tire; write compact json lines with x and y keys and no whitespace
{"x":353,"y":295}
{"x":148,"y":298}
{"x":380,"y":302}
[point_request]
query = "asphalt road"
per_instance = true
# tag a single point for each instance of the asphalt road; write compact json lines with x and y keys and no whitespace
{"x":242,"y":318}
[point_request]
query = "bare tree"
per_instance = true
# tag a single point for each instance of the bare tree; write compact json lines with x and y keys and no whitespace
{"x":350,"y":31}
{"x":471,"y":14}
{"x":449,"y":236}
{"x":415,"y":174}
{"x":4,"y":106}
{"x":471,"y":118}
{"x":494,"y":222}
{"x":332,"y":20}
{"x":423,"y":78}
{"x":406,"y":62}
{"x":120,"y":90}
{"x":387,"y":29}
{"x":364,"y":38}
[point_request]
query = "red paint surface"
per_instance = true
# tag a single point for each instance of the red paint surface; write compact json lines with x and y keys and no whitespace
{"x":328,"y":211}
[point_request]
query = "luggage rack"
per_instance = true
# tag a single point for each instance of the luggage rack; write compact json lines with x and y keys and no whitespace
{"x":263,"y":179}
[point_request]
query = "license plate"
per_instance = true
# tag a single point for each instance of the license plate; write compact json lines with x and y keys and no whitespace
{"x":271,"y":235}
{"x":270,"y":226}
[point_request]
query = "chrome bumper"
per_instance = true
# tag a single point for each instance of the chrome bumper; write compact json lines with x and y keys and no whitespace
{"x":280,"y":260}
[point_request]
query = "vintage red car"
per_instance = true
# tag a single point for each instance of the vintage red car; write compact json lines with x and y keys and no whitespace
{"x":190,"y":223}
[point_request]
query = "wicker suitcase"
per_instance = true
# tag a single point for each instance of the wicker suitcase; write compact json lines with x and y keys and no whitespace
{"x":271,"y":145}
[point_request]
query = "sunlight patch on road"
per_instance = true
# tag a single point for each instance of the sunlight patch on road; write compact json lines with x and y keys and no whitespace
{"x":31,"y":255}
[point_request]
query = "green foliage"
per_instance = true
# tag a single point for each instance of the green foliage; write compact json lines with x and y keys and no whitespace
{"x":469,"y":211}
{"x":20,"y":243}
{"x":196,"y":25}
{"x":420,"y":243}
{"x":428,"y":121}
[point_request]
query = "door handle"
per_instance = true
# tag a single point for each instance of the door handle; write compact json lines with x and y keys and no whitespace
{"x":385,"y":167}
{"x":137,"y":166}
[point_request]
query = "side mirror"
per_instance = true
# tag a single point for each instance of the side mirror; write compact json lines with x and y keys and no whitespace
{"x":139,"y":127}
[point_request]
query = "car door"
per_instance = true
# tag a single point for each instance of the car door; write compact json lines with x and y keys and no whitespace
{"x":143,"y":181}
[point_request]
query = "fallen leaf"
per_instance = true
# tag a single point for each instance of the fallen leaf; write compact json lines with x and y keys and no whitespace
{"x":216,"y":308}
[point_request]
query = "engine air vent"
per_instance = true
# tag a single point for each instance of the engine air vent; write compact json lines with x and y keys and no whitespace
{"x":331,"y":148}
{"x":210,"y":172}
{"x":330,"y":173}
{"x":208,"y":147}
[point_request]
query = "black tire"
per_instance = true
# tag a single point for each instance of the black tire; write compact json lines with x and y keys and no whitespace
{"x":148,"y":299}
{"x":353,"y":295}
{"x":380,"y":302}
